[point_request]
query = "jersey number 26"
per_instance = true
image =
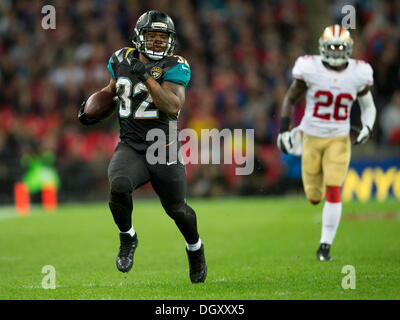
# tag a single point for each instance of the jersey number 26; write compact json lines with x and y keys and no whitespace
{"x":341,"y":108}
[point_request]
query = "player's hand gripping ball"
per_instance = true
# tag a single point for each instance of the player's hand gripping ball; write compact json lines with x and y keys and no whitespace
{"x":98,"y":107}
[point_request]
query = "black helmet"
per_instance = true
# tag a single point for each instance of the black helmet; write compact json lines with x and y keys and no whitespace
{"x":154,"y":21}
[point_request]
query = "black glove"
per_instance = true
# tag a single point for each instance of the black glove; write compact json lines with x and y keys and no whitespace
{"x":139,"y":70}
{"x":83,"y":117}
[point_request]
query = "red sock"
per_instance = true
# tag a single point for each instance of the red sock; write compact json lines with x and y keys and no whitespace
{"x":332,"y":194}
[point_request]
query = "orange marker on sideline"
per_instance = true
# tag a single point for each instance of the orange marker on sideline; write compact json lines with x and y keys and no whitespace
{"x":49,"y":198}
{"x":21,"y":198}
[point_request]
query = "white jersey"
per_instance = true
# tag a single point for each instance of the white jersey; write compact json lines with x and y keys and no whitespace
{"x":330,"y":94}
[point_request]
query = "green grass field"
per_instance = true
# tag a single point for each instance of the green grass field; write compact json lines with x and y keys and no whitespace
{"x":256,"y":248}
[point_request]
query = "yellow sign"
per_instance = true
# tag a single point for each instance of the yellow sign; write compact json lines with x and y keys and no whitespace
{"x":362,"y":186}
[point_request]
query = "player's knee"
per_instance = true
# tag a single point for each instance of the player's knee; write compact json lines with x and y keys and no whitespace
{"x":121,"y":184}
{"x":314,"y":195}
{"x":332,"y":194}
{"x":175,"y":209}
{"x":178,"y":210}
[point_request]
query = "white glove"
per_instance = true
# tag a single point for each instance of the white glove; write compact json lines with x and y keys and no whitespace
{"x":284,"y":142}
{"x":296,"y":137}
{"x":290,"y":141}
{"x":364,"y":135}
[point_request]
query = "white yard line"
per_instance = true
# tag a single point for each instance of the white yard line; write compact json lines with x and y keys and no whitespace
{"x":9,"y":212}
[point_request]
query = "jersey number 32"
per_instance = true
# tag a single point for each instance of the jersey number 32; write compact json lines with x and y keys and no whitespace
{"x":127,"y":92}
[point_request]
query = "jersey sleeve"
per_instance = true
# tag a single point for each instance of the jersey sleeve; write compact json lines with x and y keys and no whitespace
{"x":179,"y":73}
{"x":116,"y":58}
{"x":365,"y":75}
{"x":298,"y":69}
{"x":111,"y":66}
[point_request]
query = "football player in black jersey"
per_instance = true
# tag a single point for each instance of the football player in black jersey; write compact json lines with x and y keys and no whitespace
{"x":150,"y":82}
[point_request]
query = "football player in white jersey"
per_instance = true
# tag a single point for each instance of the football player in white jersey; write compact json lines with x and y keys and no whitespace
{"x":330,"y":83}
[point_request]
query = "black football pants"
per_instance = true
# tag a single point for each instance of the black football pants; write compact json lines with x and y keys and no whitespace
{"x":129,"y":169}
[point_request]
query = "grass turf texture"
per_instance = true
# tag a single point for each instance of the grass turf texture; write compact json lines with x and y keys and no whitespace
{"x":256,"y":248}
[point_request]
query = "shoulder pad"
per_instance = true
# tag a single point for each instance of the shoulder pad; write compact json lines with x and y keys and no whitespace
{"x":180,"y":59}
{"x":173,"y":60}
{"x":117,"y":58}
{"x":120,"y":55}
{"x":177,"y":69}
{"x":303,"y":65}
{"x":365,"y":72}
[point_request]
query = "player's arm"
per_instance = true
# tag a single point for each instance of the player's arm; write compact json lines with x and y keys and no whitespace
{"x":169,"y":97}
{"x":368,"y":114}
{"x":110,"y":87}
{"x":295,"y":93}
{"x":83,"y":118}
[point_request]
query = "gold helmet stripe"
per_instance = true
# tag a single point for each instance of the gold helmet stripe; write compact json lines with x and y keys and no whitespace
{"x":336,"y":31}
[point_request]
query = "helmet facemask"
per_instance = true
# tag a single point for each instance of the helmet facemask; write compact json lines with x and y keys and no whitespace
{"x":149,"y":49}
{"x":335,"y":53}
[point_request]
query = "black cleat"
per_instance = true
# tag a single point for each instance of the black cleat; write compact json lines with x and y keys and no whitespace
{"x":323,"y":252}
{"x":197,"y":265}
{"x":126,"y":251}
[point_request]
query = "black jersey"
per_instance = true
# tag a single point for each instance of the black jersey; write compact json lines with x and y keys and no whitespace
{"x":137,"y":112}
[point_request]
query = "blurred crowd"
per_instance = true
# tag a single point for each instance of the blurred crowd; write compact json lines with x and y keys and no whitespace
{"x":240,"y":52}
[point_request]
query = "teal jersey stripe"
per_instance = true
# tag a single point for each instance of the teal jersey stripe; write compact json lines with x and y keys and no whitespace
{"x":179,"y":74}
{"x":109,"y":67}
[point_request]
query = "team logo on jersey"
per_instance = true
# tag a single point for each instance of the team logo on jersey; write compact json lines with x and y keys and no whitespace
{"x":156,"y":72}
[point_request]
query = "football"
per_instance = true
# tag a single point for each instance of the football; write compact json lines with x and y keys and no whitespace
{"x":101,"y":105}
